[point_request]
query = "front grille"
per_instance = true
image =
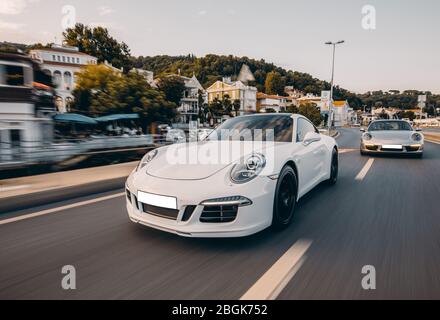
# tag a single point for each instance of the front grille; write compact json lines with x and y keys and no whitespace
{"x":219,"y":214}
{"x":188,"y":212}
{"x":391,"y":150}
{"x":160,"y":212}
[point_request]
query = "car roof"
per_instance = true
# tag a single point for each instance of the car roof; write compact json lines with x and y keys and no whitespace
{"x":293,"y":115}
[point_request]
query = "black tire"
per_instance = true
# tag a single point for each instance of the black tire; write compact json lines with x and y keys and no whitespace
{"x":363,"y":153}
{"x":334,"y":168}
{"x":286,"y":193}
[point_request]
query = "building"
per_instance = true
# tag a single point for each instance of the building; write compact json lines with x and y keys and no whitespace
{"x":62,"y":62}
{"x":189,"y":104}
{"x":309,"y":98}
{"x":247,"y":95}
{"x":26,"y":109}
{"x":267,"y":102}
{"x":292,"y":92}
{"x":341,"y":111}
{"x":148,"y":75}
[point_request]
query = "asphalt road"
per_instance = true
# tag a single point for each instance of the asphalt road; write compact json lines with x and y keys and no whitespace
{"x":389,"y":219}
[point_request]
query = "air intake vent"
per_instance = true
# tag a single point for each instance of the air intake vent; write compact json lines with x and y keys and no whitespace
{"x":219,"y":214}
{"x":188,"y":212}
{"x":136,"y":203}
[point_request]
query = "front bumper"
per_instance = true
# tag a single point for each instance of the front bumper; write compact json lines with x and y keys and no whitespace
{"x":250,"y":219}
{"x":378,"y":148}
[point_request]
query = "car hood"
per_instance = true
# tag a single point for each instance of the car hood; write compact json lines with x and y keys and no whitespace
{"x":391,"y":136}
{"x":200,"y":160}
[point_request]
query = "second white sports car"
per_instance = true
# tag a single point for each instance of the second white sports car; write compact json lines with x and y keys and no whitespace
{"x":391,"y":137}
{"x":246,"y":176}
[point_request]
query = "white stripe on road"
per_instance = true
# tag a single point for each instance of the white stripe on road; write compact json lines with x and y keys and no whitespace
{"x":341,"y":151}
{"x":12,"y":188}
{"x":361,"y":175}
{"x":270,"y":285}
{"x":69,"y":206}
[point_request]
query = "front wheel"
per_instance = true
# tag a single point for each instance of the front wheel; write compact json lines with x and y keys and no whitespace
{"x":286,"y":193}
{"x":334,"y":168}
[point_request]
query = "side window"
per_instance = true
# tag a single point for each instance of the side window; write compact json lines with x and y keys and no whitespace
{"x":303,"y":128}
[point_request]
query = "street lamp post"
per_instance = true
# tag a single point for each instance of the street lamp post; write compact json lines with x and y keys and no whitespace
{"x":330,"y":111}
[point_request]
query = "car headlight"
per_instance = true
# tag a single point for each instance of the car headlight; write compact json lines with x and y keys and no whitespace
{"x":416,"y":137}
{"x":366,"y":136}
{"x":249,"y":169}
{"x":147,"y":158}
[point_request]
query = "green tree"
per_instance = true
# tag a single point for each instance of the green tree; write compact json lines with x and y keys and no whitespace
{"x":100,"y":91}
{"x":292,"y":109}
{"x":227,"y":104}
{"x":98,"y":43}
{"x":311,"y":112}
{"x":173,"y":87}
{"x":216,"y":107}
{"x":236,"y":104}
{"x":274,"y":83}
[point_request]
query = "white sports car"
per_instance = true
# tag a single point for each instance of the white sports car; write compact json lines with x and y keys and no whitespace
{"x":247,"y":175}
{"x":391,"y":137}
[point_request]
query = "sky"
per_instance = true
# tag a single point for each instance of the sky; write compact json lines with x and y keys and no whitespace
{"x":401,"y":50}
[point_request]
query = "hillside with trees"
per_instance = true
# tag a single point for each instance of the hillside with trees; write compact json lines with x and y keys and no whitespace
{"x":269,"y":78}
{"x":211,"y":68}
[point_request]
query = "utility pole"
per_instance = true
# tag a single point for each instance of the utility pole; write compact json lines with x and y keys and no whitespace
{"x":330,"y":111}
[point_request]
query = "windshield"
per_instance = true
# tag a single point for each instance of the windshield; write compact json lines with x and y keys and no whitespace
{"x":390,"y":125}
{"x":277,"y":128}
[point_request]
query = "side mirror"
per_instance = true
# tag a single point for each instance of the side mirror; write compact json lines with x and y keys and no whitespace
{"x":362,"y":129}
{"x":311,"y":137}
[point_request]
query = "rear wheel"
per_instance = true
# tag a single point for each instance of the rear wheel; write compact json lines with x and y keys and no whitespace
{"x":286,"y":193}
{"x":334,"y":168}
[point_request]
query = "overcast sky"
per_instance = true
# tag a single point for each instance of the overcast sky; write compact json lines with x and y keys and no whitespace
{"x":403,"y":52}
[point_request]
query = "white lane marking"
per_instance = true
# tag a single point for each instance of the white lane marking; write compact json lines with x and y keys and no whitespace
{"x":270,"y":285}
{"x":361,"y":175}
{"x":69,"y":206}
{"x":11,"y":188}
{"x":341,"y":151}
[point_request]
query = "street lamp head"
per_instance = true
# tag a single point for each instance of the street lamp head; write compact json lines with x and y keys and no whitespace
{"x":329,"y":42}
{"x":339,"y":42}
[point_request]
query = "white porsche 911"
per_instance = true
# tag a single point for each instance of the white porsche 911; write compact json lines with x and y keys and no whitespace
{"x":247,"y":175}
{"x":391,"y":137}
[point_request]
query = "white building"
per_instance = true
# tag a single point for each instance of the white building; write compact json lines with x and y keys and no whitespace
{"x":341,"y":111}
{"x":277,"y":103}
{"x":189,"y":104}
{"x":26,"y":107}
{"x":62,"y":62}
{"x":148,"y":75}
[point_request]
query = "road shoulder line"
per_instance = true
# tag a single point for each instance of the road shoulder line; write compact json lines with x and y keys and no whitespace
{"x":58,"y":209}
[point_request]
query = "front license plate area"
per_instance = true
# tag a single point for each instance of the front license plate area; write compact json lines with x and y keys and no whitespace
{"x":392,"y":147}
{"x":157,"y":200}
